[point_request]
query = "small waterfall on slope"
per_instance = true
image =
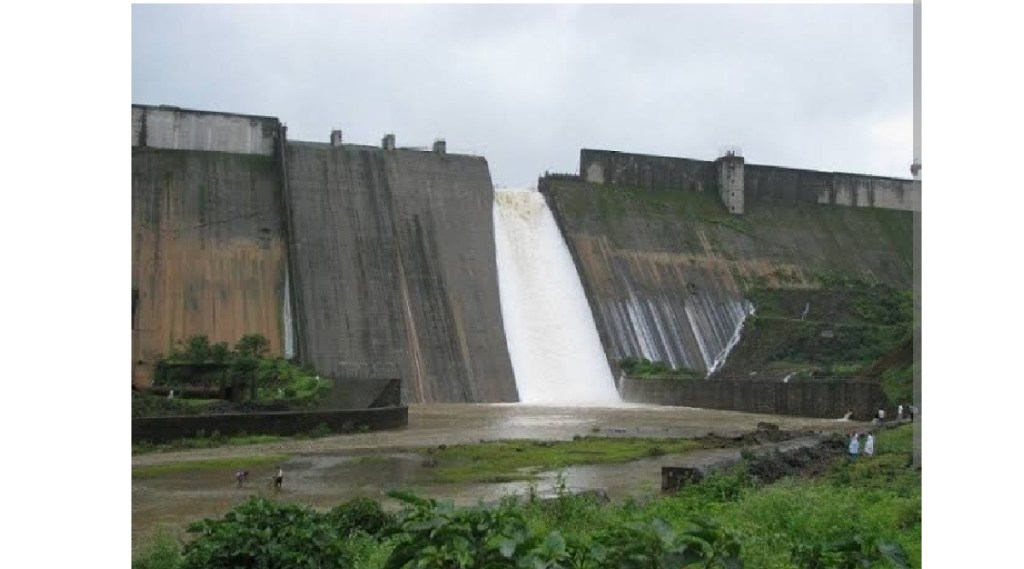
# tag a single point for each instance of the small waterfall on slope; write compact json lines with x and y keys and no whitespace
{"x":286,"y":317}
{"x":552,"y":340}
{"x":735,"y":339}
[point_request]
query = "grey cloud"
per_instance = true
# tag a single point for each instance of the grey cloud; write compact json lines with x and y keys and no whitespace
{"x":825,"y":87}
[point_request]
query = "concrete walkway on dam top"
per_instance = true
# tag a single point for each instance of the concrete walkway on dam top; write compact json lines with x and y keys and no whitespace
{"x":328,"y":471}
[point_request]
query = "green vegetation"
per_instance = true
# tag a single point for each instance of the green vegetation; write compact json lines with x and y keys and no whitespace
{"x":503,"y":461}
{"x":849,"y":329}
{"x":644,"y":368}
{"x":215,"y":439}
{"x":863,"y":513}
{"x":196,"y":363}
{"x":227,"y":464}
{"x":202,"y":440}
{"x":898,"y":383}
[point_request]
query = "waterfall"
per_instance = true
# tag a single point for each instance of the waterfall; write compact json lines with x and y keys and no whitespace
{"x":286,"y":317}
{"x":748,"y":309}
{"x":556,"y":353}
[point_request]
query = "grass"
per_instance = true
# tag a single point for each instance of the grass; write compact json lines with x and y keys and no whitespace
{"x":505,"y":461}
{"x":157,"y":470}
{"x":207,"y":442}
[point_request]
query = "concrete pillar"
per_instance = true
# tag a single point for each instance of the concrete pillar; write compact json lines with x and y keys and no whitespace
{"x":440,"y":146}
{"x":335,"y":138}
{"x":730,"y":181}
{"x":388,"y":142}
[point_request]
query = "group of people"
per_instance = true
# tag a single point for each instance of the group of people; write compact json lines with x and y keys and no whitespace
{"x":855,"y":446}
{"x":242,"y":475}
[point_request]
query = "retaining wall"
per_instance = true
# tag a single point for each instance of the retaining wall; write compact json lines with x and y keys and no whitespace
{"x":806,"y":398}
{"x":166,"y":429}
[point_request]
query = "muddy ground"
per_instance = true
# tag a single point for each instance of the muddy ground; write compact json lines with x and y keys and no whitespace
{"x":327,"y":471}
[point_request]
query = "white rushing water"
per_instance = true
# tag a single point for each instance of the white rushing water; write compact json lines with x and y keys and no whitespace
{"x":286,"y":317}
{"x":552,"y":340}
{"x":748,"y":309}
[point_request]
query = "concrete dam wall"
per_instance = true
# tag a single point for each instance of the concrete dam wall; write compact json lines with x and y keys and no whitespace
{"x":665,"y":269}
{"x":376,"y":263}
{"x":394,"y":257}
{"x":208,"y":251}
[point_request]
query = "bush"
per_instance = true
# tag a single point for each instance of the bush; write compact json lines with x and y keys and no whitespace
{"x":263,"y":533}
{"x":361,"y":514}
{"x":432,"y":534}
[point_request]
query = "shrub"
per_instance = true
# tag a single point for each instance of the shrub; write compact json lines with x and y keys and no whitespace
{"x":263,"y":533}
{"x":361,"y":514}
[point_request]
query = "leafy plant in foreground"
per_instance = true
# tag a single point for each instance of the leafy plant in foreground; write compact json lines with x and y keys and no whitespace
{"x":263,"y":533}
{"x":850,"y":553}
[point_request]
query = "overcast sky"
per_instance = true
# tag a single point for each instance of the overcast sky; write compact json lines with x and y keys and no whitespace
{"x":826,"y":87}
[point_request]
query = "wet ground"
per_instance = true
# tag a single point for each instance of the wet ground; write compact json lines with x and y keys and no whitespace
{"x":328,"y":471}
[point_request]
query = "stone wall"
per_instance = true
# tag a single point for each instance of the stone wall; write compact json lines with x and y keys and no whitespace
{"x":806,"y":398}
{"x":185,"y":129}
{"x":167,"y":429}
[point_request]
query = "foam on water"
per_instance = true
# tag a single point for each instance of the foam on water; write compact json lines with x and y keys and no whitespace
{"x":552,"y":340}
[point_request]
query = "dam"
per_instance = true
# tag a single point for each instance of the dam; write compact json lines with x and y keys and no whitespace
{"x":373,"y":263}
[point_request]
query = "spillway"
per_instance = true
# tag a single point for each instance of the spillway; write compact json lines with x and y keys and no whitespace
{"x":556,"y":353}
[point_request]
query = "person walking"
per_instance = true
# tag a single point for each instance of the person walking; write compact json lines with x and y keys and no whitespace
{"x":240,"y":477}
{"x":899,"y":413}
{"x":278,"y":478}
{"x":869,"y":445}
{"x":854,"y":445}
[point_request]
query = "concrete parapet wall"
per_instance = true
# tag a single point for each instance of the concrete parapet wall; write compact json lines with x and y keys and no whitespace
{"x":167,"y":429}
{"x":183,"y":129}
{"x":791,"y":186}
{"x":806,"y":399}
{"x":760,"y":183}
{"x":648,"y":172}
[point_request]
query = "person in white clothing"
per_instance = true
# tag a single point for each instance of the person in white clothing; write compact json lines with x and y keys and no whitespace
{"x":869,"y":445}
{"x":854,"y":445}
{"x":899,"y":413}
